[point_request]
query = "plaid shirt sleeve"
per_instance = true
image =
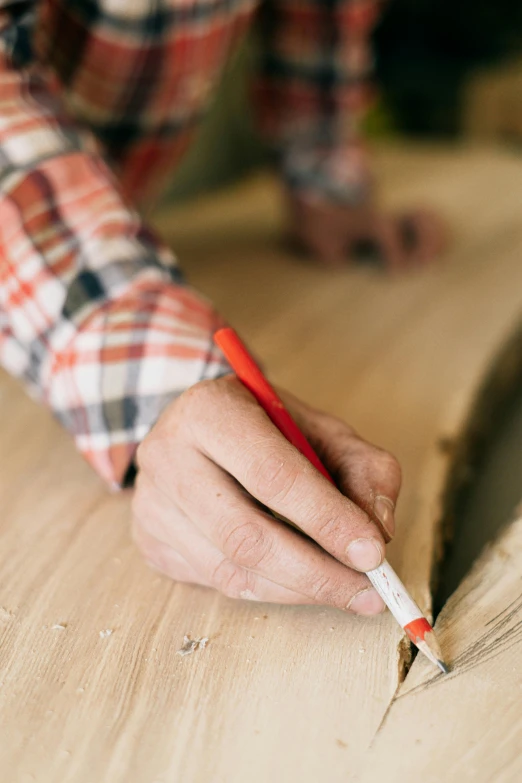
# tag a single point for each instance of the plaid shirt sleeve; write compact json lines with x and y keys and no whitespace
{"x":313,"y":90}
{"x":94,"y":315}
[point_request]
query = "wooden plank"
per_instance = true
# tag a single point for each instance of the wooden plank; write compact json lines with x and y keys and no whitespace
{"x":280,"y":693}
{"x":465,"y":726}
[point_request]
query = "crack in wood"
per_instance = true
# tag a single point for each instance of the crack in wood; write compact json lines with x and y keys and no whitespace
{"x":465,"y":450}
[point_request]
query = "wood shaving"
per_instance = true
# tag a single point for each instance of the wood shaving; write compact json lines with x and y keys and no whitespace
{"x":106,"y":633}
{"x":191,"y":645}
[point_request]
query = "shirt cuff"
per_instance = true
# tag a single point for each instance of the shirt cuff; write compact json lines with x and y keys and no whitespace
{"x":125,"y":364}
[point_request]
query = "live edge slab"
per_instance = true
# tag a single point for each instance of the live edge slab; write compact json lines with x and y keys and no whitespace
{"x":91,"y":687}
{"x":466,"y":726}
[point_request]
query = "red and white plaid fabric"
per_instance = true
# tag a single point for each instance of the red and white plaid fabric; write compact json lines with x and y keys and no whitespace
{"x":98,"y":102}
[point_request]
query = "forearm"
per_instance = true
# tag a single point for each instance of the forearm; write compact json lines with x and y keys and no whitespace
{"x":94,"y":316}
{"x":313,"y":91}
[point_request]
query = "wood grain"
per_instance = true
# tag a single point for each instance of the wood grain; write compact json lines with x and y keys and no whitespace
{"x":279,"y":693}
{"x":466,"y":726}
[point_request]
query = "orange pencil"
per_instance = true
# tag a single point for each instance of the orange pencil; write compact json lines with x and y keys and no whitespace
{"x":384,"y":579}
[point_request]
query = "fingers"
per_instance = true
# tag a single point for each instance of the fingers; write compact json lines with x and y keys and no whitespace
{"x":277,"y":475}
{"x":166,"y":559}
{"x":258,"y":545}
{"x":369,"y":476}
{"x":336,"y":234}
{"x":231,"y":581}
{"x":404,"y":242}
{"x":214,"y":453}
{"x":387,"y":234}
{"x":178,"y":548}
{"x":319,"y":229}
{"x":425,"y":235}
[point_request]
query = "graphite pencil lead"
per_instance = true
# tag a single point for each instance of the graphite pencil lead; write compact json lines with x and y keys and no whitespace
{"x":431,"y":649}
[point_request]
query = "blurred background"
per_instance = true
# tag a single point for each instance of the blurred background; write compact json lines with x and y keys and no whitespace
{"x":444,"y":69}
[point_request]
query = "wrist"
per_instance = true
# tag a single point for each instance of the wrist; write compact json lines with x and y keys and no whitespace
{"x":325,"y":174}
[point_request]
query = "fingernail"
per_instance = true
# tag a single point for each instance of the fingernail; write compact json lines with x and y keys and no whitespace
{"x":365,"y":554}
{"x":366,"y":602}
{"x":383,"y":509}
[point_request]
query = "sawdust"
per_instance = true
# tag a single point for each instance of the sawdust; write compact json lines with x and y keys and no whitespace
{"x":191,"y":645}
{"x":106,"y":633}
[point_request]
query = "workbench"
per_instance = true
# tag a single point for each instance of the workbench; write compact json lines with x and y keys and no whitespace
{"x":91,"y":687}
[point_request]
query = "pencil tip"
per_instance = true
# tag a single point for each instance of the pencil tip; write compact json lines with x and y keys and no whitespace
{"x":430,"y":647}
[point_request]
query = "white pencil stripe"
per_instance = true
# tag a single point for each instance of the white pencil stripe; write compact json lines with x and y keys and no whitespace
{"x":394,"y":594}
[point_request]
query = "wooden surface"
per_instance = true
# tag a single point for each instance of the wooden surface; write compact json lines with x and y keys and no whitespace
{"x":279,"y":693}
{"x":466,"y":726}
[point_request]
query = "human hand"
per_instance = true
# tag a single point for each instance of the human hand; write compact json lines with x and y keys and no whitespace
{"x":211,"y":463}
{"x":334,"y":234}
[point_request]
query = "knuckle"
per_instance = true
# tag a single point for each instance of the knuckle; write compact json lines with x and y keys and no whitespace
{"x":196,"y":409}
{"x":231,"y":580}
{"x":330,"y":527}
{"x":324,"y":590}
{"x":246,"y":544}
{"x":272,"y":478}
{"x":337,"y":429}
{"x":197,"y":395}
{"x":372,"y":466}
{"x":390,"y":465}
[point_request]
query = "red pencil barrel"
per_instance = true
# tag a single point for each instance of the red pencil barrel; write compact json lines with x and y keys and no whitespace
{"x":251,"y":376}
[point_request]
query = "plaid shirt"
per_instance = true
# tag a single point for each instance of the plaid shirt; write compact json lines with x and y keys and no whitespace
{"x":98,"y":101}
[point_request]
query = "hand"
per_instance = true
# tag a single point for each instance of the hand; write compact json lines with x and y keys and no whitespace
{"x":334,"y":234}
{"x":211,"y":464}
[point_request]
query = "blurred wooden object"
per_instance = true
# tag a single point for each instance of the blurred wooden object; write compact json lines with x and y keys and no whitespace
{"x":466,"y":726}
{"x":492,"y":104}
{"x":279,"y":693}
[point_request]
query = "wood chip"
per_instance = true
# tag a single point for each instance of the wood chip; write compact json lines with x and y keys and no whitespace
{"x":191,"y":645}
